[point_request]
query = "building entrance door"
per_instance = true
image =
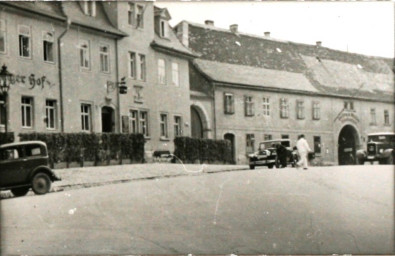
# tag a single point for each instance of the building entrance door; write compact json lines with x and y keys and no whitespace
{"x":230,"y":137}
{"x":107,"y":119}
{"x":197,"y":124}
{"x":347,"y":145}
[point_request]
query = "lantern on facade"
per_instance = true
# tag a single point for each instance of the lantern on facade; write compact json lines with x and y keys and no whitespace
{"x":5,"y":81}
{"x":123,"y":89}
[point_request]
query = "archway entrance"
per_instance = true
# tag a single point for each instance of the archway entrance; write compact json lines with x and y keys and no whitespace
{"x":231,"y":137}
{"x":107,"y":119}
{"x":196,"y":123}
{"x":347,"y":143}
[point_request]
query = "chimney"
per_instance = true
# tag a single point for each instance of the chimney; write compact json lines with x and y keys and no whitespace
{"x":209,"y":23}
{"x":267,"y":34}
{"x":318,"y":43}
{"x":233,"y":28}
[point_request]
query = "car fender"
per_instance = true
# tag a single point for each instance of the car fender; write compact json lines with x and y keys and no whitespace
{"x":44,"y":169}
{"x":361,"y":154}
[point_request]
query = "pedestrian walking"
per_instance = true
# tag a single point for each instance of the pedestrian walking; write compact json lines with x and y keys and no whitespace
{"x":281,"y":156}
{"x":303,"y":151}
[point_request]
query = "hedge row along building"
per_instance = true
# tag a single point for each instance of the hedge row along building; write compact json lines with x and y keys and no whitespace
{"x":71,"y":60}
{"x":249,"y":88}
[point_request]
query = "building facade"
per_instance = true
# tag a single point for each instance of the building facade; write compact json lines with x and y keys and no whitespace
{"x":70,"y":58}
{"x":249,"y":88}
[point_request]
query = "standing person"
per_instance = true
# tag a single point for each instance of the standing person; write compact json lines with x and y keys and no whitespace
{"x":281,"y":155}
{"x":303,"y":150}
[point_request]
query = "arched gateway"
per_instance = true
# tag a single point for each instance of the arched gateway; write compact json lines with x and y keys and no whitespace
{"x":347,"y":143}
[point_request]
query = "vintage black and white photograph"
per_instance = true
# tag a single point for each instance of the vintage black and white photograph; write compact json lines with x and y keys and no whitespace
{"x":197,"y":127}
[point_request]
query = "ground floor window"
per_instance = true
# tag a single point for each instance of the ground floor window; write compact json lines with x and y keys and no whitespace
{"x":177,"y":126}
{"x":284,"y":136}
{"x":86,"y":117}
{"x":267,"y":137}
{"x":317,"y":144}
{"x":50,"y":114}
{"x":27,"y":112}
{"x":163,"y":126}
{"x":250,"y":143}
{"x":138,"y":120}
{"x":3,"y":110}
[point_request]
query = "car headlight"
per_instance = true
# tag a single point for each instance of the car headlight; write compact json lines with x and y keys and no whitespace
{"x":268,"y":153}
{"x":381,"y":150}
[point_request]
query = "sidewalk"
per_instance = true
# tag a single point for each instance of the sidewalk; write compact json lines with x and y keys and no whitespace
{"x":83,"y":177}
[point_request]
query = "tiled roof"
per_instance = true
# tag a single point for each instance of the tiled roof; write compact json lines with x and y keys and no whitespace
{"x":48,"y":8}
{"x":172,"y":44}
{"x":328,"y":71}
{"x":256,"y":76}
{"x":100,"y":22}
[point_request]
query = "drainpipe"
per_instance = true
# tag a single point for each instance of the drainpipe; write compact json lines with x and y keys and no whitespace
{"x":117,"y":86}
{"x":214,"y":112}
{"x":68,"y":23}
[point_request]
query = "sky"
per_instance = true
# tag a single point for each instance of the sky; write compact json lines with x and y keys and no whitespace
{"x":360,"y":27}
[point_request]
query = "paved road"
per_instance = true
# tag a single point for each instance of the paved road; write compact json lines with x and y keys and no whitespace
{"x":331,"y":210}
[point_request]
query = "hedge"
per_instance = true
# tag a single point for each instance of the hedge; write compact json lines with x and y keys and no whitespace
{"x":95,"y":147}
{"x":191,"y":150}
{"x":6,"y":137}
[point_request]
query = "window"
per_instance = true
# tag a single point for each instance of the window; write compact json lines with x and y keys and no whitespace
{"x":27,"y":112}
{"x":140,"y":16}
{"x":316,"y":110}
{"x":372,"y":116}
{"x":142,"y":74}
{"x":143,"y":123}
{"x":177,"y":126}
{"x":163,"y":28}
{"x":267,"y":137}
{"x":48,"y":40}
{"x":284,"y":136}
{"x":250,"y":141}
{"x":133,"y":121}
{"x":161,"y":71}
{"x":175,"y":74}
{"x":317,"y":144}
{"x":3,"y":112}
{"x":386,"y":117}
{"x":163,"y":126}
{"x":284,"y":108}
{"x":86,"y":117}
{"x":349,"y":105}
{"x":229,"y":103}
{"x":50,"y":114}
{"x":24,"y":41}
{"x":90,"y":8}
{"x":2,"y":36}
{"x":84,"y":54}
{"x":131,"y":14}
{"x":104,"y":59}
{"x":249,"y":106}
{"x":132,"y":64}
{"x":266,"y":106}
{"x":300,"y":109}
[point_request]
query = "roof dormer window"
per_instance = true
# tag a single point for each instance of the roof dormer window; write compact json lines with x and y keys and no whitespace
{"x":90,"y":8}
{"x":163,"y":28}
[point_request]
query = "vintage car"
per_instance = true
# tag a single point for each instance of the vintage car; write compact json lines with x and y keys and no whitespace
{"x":380,"y":147}
{"x":267,"y":154}
{"x":24,"y":165}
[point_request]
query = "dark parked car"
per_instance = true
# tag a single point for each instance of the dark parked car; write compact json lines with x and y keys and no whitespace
{"x":267,"y":155}
{"x":380,"y":147}
{"x":24,"y":165}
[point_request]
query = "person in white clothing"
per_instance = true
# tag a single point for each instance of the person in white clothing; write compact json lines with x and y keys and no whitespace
{"x":303,"y":151}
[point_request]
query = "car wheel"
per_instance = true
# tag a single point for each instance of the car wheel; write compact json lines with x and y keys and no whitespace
{"x":382,"y":161}
{"x":41,"y":183}
{"x":270,"y":166}
{"x":360,"y":161}
{"x":20,"y":191}
{"x":252,"y":167}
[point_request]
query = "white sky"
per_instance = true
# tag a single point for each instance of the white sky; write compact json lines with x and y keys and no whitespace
{"x":361,"y":27}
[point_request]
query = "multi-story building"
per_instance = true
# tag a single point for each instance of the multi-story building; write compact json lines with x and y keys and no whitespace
{"x":249,"y":88}
{"x":69,"y":58}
